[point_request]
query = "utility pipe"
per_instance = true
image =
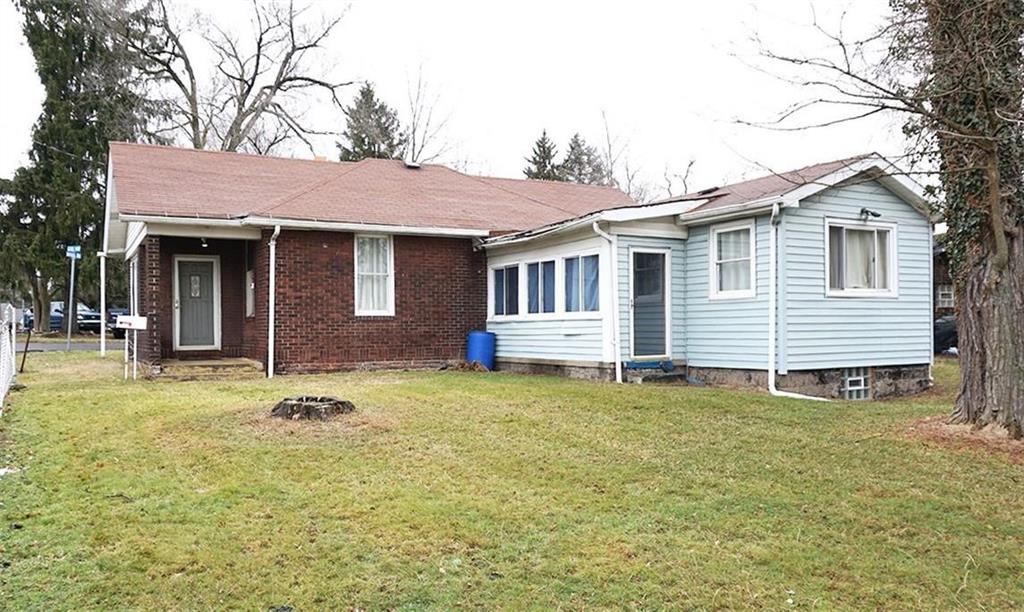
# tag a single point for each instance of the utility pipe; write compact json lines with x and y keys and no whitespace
{"x":271,"y":300}
{"x":772,"y":229}
{"x":613,"y":243}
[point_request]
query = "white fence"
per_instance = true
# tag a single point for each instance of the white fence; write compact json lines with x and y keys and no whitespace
{"x":7,"y":352}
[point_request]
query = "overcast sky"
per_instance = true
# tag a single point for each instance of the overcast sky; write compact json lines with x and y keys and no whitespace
{"x":672,"y":78}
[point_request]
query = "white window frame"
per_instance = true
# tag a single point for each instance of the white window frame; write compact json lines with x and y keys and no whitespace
{"x":582,"y":285}
{"x":389,"y":311}
{"x":947,"y":302}
{"x":737,"y":294}
{"x":525,"y":278}
{"x":520,"y":291}
{"x":891,"y":271}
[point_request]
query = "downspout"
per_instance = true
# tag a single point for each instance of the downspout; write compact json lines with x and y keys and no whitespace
{"x":271,"y":300}
{"x":772,"y":273}
{"x":613,"y":244}
{"x":103,"y":303}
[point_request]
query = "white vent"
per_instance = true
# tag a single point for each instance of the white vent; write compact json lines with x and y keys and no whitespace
{"x":856,"y":384}
{"x":411,"y":164}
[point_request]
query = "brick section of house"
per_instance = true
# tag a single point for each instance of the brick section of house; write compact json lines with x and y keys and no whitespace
{"x":150,"y":302}
{"x":440,"y":295}
{"x":254,"y":328}
{"x":232,"y":292}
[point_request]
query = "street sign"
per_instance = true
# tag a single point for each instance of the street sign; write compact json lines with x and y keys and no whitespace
{"x":130,"y":322}
{"x":74,"y":251}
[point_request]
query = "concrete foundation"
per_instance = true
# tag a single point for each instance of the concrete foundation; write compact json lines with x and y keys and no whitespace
{"x":586,"y":370}
{"x":884,"y":381}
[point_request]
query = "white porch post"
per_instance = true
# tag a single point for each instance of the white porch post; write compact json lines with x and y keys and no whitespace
{"x":103,"y":303}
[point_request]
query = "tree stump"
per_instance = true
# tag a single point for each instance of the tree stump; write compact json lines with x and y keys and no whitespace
{"x":311,"y":408}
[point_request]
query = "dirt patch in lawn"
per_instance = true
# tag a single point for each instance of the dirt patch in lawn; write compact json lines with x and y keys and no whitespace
{"x":994,"y":440}
{"x":260,"y":424}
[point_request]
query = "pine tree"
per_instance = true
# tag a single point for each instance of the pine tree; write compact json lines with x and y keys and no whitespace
{"x":542,"y":162}
{"x":373,"y":129}
{"x":92,"y":96}
{"x":583,"y":163}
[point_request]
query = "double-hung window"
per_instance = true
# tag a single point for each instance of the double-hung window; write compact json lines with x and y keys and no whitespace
{"x":375,"y":276}
{"x":732,"y":261}
{"x":861,"y":259}
{"x":506,"y":290}
{"x":582,"y":292}
{"x":540,"y":287}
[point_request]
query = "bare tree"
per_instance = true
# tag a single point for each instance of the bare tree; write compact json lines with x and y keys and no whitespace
{"x":425,"y":130}
{"x":953,"y":69}
{"x":622,"y":172}
{"x":678,"y":183}
{"x":259,"y":89}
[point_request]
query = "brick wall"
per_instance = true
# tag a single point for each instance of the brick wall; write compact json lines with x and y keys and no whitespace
{"x":440,"y":295}
{"x":150,"y":301}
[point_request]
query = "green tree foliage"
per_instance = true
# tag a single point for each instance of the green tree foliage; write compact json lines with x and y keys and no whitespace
{"x":583,"y":164}
{"x":372,"y":129}
{"x":92,"y":95}
{"x":542,"y":164}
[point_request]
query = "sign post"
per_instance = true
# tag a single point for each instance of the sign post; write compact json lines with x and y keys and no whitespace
{"x":74,"y":253}
{"x":133,"y":324}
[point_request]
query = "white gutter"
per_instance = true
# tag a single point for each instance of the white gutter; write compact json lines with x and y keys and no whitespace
{"x":338,"y":226}
{"x":271,"y":301}
{"x":772,"y":249}
{"x":613,"y":244}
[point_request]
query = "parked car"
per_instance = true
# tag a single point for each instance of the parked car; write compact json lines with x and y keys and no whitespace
{"x":112,"y":315}
{"x":945,"y":333}
{"x":88,"y":319}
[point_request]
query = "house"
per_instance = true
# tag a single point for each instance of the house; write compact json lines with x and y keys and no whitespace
{"x":815,"y":281}
{"x":321,"y":265}
{"x":943,"y":282}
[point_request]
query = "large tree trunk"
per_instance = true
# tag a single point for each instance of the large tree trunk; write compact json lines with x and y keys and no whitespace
{"x":990,"y":322}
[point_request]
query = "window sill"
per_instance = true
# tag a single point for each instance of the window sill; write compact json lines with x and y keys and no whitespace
{"x":863,"y":294}
{"x":732,"y":296}
{"x":378,"y":315}
{"x":548,"y":316}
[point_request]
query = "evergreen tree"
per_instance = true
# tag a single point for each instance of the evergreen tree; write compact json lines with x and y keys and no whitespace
{"x":583,"y":164}
{"x":542,"y":162}
{"x":372,"y":130}
{"x":91,"y":97}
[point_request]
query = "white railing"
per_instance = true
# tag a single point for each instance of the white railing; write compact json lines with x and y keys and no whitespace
{"x":7,"y":352}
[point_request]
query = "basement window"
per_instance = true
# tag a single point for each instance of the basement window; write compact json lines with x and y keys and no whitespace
{"x":856,"y":384}
{"x":944,"y":296}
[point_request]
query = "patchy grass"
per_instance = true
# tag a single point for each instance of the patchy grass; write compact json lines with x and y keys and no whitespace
{"x":473,"y":490}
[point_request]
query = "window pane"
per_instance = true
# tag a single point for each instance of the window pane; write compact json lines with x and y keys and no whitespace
{"x":882,"y":266}
{"x":549,"y":286}
{"x":532,"y":288}
{"x":734,"y":275}
{"x":512,"y":290}
{"x":372,"y":292}
{"x":835,"y":257}
{"x":499,"y":291}
{"x":372,"y":254}
{"x":648,"y":274}
{"x":572,"y":284}
{"x":591,"y":301}
{"x":860,"y":259}
{"x":250,"y":293}
{"x":734,"y":244}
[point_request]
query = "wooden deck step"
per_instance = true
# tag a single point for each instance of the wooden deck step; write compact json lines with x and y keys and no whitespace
{"x":211,"y":369}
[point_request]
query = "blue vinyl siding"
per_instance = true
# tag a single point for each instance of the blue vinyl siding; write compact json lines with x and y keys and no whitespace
{"x":678,"y":290}
{"x":566,"y":339}
{"x":725,"y":333}
{"x":833,"y":332}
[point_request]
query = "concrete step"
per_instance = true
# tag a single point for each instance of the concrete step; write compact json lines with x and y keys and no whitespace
{"x":211,"y":369}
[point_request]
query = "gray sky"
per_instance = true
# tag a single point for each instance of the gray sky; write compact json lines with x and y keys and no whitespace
{"x":671,"y":77}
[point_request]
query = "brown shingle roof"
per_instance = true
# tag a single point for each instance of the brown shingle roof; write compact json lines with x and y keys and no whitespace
{"x":766,"y":186}
{"x":155,"y":180}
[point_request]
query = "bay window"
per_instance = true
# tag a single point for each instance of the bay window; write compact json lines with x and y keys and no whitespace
{"x":375,"y":281}
{"x":861,"y":259}
{"x":732,"y":271}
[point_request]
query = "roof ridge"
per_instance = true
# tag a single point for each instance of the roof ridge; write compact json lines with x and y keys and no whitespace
{"x":150,"y":145}
{"x":845,"y":161}
{"x":545,"y":181}
{"x":291,"y":198}
{"x":518,"y":195}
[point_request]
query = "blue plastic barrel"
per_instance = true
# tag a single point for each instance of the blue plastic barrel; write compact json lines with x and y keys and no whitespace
{"x":480,"y":347}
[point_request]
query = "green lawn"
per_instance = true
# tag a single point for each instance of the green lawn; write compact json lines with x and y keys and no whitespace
{"x":490,"y":491}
